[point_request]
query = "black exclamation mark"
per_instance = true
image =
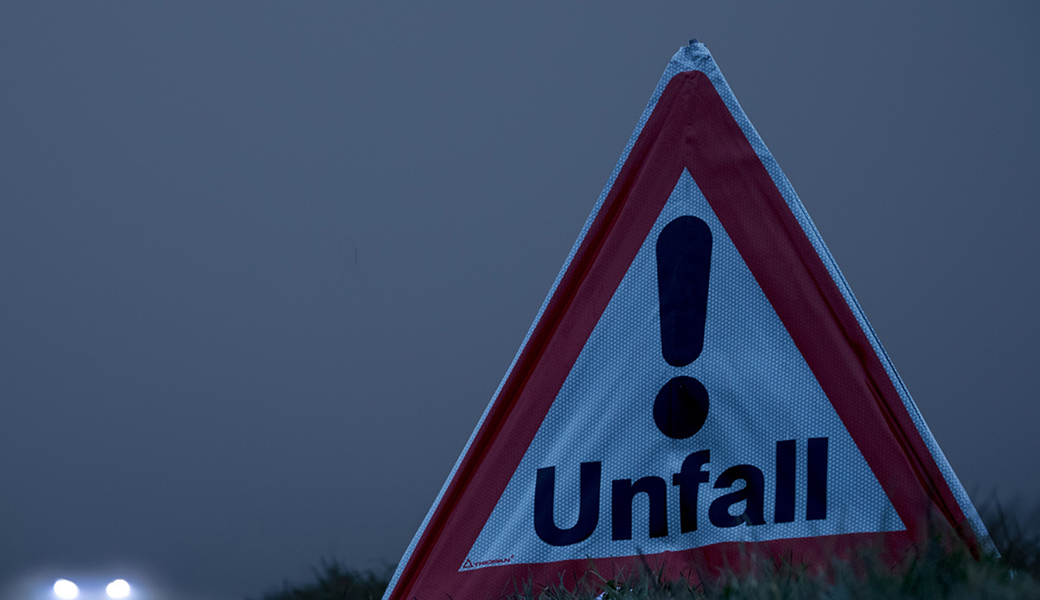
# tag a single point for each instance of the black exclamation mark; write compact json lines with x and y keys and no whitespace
{"x":683,"y":264}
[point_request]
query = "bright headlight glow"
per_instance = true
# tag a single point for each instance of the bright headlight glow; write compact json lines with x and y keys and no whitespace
{"x":65,"y":589}
{"x":118,"y":589}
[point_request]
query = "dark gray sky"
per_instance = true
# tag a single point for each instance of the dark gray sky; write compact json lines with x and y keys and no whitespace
{"x":263,"y":265}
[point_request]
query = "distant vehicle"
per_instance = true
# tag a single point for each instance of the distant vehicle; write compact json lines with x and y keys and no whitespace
{"x":113,"y":581}
{"x":89,"y":589}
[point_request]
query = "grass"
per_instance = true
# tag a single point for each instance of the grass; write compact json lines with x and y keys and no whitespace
{"x":336,"y":581}
{"x":937,"y":571}
{"x":932,"y":574}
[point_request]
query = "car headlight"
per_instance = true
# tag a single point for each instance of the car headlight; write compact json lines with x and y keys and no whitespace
{"x":65,"y":589}
{"x":118,"y":589}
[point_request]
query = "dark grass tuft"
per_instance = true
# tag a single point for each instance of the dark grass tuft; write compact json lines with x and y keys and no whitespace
{"x":1017,"y":542}
{"x":335,"y":581}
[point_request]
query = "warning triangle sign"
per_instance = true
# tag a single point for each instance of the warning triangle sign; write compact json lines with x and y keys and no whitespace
{"x":699,"y":382}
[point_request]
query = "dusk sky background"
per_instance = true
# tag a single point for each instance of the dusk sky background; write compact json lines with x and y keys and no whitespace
{"x":262,"y":265}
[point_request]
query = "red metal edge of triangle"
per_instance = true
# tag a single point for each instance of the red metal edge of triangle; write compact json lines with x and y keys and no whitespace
{"x":689,"y":128}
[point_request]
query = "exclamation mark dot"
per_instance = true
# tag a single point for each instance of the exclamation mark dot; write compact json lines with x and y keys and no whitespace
{"x":683,"y":265}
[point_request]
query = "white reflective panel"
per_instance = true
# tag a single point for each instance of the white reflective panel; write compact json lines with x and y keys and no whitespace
{"x":65,"y":589}
{"x":118,"y":589}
